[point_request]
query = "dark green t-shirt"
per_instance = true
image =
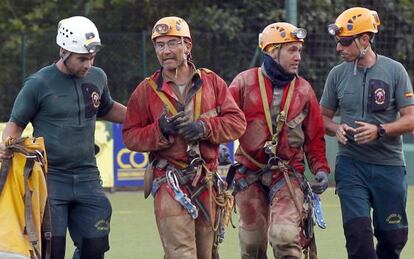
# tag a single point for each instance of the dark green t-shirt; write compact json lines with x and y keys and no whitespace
{"x":374,"y":95}
{"x":63,"y":110}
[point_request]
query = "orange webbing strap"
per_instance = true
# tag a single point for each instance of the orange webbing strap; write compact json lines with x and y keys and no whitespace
{"x":162,"y":96}
{"x":251,"y":159}
{"x":263,"y":94}
{"x":283,"y":114}
{"x":170,"y":106}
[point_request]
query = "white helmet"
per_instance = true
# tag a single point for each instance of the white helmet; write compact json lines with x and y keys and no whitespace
{"x":78,"y":34}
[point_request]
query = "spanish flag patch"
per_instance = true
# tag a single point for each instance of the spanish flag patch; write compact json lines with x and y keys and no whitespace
{"x":409,"y":94}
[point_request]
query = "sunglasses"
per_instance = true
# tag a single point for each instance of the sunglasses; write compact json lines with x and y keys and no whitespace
{"x":345,"y":41}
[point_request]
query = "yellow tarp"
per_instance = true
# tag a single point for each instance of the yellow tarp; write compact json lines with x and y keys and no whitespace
{"x":12,"y":208}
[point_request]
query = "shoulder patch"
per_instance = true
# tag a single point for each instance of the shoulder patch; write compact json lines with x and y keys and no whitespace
{"x":409,"y":94}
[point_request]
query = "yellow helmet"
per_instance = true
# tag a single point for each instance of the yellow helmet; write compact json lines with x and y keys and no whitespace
{"x":280,"y":32}
{"x":171,"y":26}
{"x":354,"y":21}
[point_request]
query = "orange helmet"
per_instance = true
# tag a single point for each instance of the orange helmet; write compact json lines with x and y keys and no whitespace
{"x":171,"y":26}
{"x":280,"y":32}
{"x":354,"y":21}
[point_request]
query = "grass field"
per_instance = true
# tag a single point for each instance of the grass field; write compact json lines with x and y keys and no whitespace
{"x":134,"y":233}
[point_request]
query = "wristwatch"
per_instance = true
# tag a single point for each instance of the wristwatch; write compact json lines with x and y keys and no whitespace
{"x":380,"y":131}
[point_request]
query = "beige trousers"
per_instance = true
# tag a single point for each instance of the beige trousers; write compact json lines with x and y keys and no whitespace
{"x":181,"y":236}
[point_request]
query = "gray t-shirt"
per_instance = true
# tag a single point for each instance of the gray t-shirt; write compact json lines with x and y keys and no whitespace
{"x":374,"y":95}
{"x":63,"y":110}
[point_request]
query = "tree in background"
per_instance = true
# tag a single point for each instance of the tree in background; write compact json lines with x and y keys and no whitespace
{"x":225,"y":35}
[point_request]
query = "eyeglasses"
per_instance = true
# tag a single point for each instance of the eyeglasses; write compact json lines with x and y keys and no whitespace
{"x":345,"y":41}
{"x":172,"y":44}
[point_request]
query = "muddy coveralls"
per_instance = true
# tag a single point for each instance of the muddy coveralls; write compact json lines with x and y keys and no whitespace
{"x":181,"y":235}
{"x":266,"y":206}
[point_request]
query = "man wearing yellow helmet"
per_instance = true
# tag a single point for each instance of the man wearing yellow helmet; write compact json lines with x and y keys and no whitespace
{"x":375,"y":98}
{"x":284,"y":125}
{"x":181,"y":114}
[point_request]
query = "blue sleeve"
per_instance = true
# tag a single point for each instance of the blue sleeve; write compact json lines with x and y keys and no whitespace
{"x":26,"y":103}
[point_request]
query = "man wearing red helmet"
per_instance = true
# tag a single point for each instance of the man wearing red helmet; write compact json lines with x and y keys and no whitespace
{"x":180,"y":115}
{"x":375,"y":98}
{"x":283,"y":126}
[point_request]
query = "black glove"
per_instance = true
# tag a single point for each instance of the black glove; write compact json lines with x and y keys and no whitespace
{"x":168,"y":125}
{"x":321,"y":184}
{"x":191,"y":130}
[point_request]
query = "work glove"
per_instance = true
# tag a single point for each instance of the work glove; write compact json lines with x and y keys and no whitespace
{"x":168,"y":125}
{"x":191,"y":130}
{"x":321,"y":184}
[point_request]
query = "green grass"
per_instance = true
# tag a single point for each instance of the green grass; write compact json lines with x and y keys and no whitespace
{"x":134,"y":234}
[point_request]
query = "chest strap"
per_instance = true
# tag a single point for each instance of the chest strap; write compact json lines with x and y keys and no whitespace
{"x":271,"y":145}
{"x":193,"y":148}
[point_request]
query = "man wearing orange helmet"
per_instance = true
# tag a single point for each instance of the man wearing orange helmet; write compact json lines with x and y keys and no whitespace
{"x":375,"y":98}
{"x":180,"y":115}
{"x":284,"y":125}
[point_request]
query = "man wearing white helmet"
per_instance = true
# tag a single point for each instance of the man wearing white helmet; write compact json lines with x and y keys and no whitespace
{"x":375,"y":100}
{"x":284,"y":125}
{"x":62,"y":101}
{"x":181,"y":114}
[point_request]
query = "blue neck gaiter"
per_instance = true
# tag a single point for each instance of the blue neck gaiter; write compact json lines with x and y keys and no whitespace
{"x":276,"y":73}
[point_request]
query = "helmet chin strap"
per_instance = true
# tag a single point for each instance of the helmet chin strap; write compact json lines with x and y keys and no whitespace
{"x":64,"y":56}
{"x":362,"y":53}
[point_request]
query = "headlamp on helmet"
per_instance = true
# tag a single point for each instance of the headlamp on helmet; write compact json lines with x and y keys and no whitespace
{"x":162,"y":28}
{"x":299,"y":33}
{"x":91,"y":45}
{"x":333,"y":29}
{"x":171,"y":26}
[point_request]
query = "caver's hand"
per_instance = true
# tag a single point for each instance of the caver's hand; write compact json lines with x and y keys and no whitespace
{"x":168,"y":125}
{"x":191,"y":130}
{"x":343,"y":133}
{"x":365,"y":132}
{"x":322,"y":182}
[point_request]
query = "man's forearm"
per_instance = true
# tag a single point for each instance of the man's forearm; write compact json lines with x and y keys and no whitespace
{"x":12,"y":130}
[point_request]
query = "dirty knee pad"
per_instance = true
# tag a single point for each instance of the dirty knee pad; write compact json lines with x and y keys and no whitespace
{"x":284,"y":240}
{"x":94,"y":248}
{"x":359,"y":238}
{"x":391,"y":243}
